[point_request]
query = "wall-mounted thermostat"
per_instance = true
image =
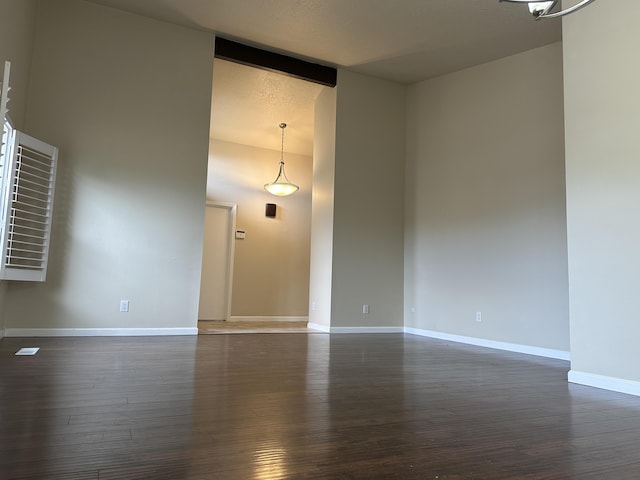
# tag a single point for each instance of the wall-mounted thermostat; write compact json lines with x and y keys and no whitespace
{"x":240,"y":234}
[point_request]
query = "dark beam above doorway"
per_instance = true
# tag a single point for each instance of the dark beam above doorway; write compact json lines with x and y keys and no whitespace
{"x":256,"y":57}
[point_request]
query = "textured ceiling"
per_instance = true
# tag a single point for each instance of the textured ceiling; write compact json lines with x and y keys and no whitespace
{"x":248,"y":105}
{"x":400,"y":40}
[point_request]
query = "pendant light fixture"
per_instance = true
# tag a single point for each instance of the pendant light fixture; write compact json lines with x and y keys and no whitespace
{"x":546,"y":9}
{"x":281,"y":186}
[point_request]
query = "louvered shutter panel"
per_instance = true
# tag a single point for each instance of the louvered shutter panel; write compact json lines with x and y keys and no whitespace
{"x":26,"y":224}
{"x":7,"y":137}
{"x":5,"y":145}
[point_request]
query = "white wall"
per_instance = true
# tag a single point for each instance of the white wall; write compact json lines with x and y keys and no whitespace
{"x":271,"y":267}
{"x":17,"y":22}
{"x":3,"y":301}
{"x":324,"y":144}
{"x":126,"y":99}
{"x":602,"y":105}
{"x":485,"y":224}
{"x":368,"y":202}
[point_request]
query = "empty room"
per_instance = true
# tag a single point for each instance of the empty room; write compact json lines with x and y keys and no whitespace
{"x":447,"y":269}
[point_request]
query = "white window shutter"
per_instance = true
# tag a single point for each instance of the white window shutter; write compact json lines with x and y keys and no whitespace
{"x":25,"y":223}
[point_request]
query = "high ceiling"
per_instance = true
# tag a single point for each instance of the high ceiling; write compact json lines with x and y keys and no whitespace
{"x":401,"y":40}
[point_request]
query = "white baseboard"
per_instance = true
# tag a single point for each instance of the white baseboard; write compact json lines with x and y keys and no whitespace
{"x":607,"y":383}
{"x":481,"y":342}
{"x":97,"y":332}
{"x":367,"y":330}
{"x":317,"y":326}
{"x":267,"y":319}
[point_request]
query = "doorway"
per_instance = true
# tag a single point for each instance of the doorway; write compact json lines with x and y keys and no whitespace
{"x":271,"y":265}
{"x":217,"y":262}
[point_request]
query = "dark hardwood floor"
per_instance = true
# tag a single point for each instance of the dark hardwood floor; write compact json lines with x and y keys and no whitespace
{"x":260,"y":406}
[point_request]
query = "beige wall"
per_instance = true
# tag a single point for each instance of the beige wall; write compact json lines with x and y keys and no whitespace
{"x":271,"y":267}
{"x":485,"y":226}
{"x":368,"y":202}
{"x":17,"y":21}
{"x":126,"y":99}
{"x":602,"y":105}
{"x":324,"y":145}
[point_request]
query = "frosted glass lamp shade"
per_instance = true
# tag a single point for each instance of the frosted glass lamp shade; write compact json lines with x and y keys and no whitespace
{"x":281,"y":186}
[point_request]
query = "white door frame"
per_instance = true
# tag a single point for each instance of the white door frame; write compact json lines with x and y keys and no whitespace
{"x":232,"y":208}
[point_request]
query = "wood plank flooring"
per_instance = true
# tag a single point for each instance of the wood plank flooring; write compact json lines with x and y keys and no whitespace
{"x":386,"y":406}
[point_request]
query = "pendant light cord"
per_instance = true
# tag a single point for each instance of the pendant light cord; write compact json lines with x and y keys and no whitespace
{"x":282,"y":127}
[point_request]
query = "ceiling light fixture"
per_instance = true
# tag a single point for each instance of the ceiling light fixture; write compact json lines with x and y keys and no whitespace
{"x":281,"y":186}
{"x":546,"y":9}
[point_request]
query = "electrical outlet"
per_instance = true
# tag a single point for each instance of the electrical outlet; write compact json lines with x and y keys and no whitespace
{"x":124,"y":305}
{"x":478,"y":316}
{"x":365,"y":309}
{"x":313,"y":306}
